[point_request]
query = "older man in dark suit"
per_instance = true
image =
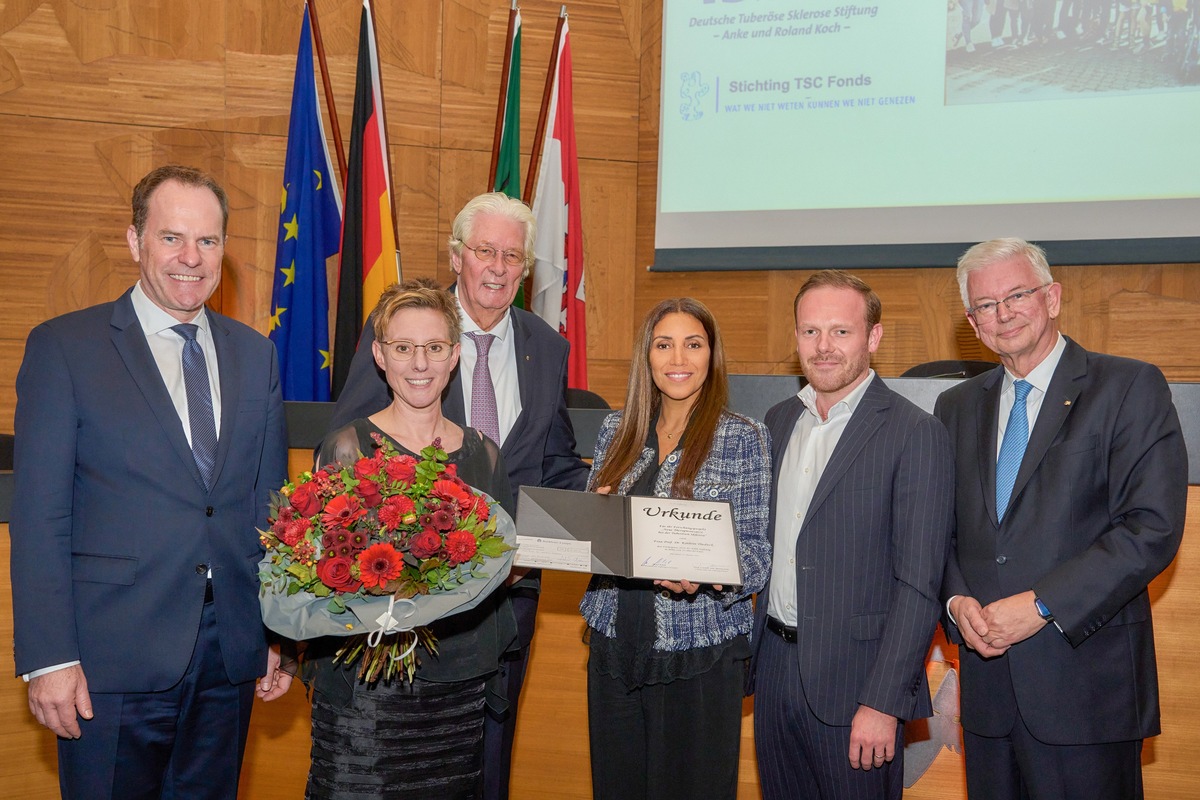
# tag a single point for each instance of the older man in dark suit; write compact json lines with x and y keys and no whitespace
{"x":149,"y":433}
{"x":1072,"y":482}
{"x":861,"y":521}
{"x":511,"y":385}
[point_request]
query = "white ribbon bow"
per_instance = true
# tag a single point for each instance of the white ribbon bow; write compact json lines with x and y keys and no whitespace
{"x":389,"y":623}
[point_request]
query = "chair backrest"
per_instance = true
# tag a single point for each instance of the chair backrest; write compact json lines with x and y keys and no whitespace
{"x":949,"y":369}
{"x":582,"y":398}
{"x":6,"y":451}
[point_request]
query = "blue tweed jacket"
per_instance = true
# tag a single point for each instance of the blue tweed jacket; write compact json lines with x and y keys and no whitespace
{"x":738,"y":469}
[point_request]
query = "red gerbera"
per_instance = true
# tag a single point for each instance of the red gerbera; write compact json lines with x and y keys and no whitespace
{"x":482,"y":511}
{"x":379,"y":564}
{"x":453,"y":489}
{"x":460,"y":546}
{"x":342,"y":512}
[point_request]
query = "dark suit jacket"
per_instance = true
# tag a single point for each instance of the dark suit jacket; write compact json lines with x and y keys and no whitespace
{"x":870,"y":558}
{"x":1097,"y":511}
{"x":540,"y":449}
{"x":115,"y":532}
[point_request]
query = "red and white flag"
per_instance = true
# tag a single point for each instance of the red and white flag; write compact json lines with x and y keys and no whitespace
{"x":558,"y":295}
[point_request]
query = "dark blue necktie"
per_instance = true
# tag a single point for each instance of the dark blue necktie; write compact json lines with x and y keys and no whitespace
{"x":1012,"y":449}
{"x":199,"y":403}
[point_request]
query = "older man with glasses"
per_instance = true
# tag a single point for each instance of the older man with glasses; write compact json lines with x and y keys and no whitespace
{"x":1071,"y":487}
{"x":510,"y":385}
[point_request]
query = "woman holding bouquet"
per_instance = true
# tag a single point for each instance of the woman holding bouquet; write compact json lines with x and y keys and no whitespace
{"x":400,"y":739}
{"x":667,"y":659}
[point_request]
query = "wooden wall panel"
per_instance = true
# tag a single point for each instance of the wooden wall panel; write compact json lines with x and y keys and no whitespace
{"x":92,"y":95}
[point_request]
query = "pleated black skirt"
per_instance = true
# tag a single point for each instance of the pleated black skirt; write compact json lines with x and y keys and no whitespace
{"x":399,"y":741}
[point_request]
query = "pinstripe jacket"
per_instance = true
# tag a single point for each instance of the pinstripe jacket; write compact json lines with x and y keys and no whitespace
{"x":870,"y":557}
{"x":738,"y":469}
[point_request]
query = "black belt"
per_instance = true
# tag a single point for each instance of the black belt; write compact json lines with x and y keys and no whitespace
{"x":785,"y":632}
{"x":208,"y":598}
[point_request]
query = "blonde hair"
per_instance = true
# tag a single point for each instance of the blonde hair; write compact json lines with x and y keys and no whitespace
{"x":416,"y":293}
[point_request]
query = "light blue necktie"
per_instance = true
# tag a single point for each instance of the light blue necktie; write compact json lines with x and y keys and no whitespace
{"x":1012,"y":449}
{"x":199,"y":402}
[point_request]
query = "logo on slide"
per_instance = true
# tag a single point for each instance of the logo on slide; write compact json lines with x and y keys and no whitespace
{"x":691,"y":88}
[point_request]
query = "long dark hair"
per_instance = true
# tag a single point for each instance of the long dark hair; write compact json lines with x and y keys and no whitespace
{"x":643,"y":400}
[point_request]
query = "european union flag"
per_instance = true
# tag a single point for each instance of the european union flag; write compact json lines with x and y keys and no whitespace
{"x":310,"y":226}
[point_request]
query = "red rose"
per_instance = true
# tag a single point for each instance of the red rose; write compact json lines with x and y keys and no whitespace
{"x":342,"y":512}
{"x":368,"y":490}
{"x":460,"y":546}
{"x":305,"y":500}
{"x":365,"y":467}
{"x":401,"y":468}
{"x":396,"y":511}
{"x":425,"y":544}
{"x":337,"y":575}
{"x":379,"y":564}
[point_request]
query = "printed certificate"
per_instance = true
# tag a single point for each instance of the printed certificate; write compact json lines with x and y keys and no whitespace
{"x":634,"y":537}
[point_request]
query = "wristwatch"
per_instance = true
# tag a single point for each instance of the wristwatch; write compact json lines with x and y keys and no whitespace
{"x":1043,"y":612}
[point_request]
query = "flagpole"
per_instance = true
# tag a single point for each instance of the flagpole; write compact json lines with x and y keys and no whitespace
{"x":311,"y":5}
{"x":535,"y":157}
{"x":387,"y":148}
{"x":501,"y":103}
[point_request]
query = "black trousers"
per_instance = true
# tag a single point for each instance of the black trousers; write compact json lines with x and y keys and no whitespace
{"x":1019,"y":767}
{"x":671,"y":740}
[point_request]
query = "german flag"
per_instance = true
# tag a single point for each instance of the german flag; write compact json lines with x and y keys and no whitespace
{"x":370,"y":262}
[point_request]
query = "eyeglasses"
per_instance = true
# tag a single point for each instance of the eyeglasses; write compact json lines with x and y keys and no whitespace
{"x":487,"y":254}
{"x":404,"y":350}
{"x":1015,"y":303}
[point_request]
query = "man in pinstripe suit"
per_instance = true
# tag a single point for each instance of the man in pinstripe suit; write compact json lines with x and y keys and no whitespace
{"x":861,"y":521}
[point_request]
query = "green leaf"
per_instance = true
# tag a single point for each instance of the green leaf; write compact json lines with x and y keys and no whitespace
{"x":494,"y":547}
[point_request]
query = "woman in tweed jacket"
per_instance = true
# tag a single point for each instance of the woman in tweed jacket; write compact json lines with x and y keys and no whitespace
{"x":667,"y":659}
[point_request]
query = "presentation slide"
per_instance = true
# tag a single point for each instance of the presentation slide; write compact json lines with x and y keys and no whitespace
{"x":792,"y":124}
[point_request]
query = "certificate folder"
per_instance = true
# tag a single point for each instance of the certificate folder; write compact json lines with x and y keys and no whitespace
{"x":633,"y":537}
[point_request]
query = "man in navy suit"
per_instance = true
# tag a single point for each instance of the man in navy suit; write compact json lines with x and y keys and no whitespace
{"x":1071,"y":489}
{"x":149,"y":433}
{"x":861,"y":516}
{"x":491,"y":248}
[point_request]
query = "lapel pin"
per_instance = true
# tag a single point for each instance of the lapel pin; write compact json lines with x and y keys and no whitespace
{"x":1066,"y":402}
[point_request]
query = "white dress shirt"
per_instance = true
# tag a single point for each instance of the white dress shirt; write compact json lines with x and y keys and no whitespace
{"x":804,"y":460}
{"x":167,"y":348}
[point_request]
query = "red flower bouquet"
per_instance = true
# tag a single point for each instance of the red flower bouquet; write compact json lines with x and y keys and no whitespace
{"x":377,"y":550}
